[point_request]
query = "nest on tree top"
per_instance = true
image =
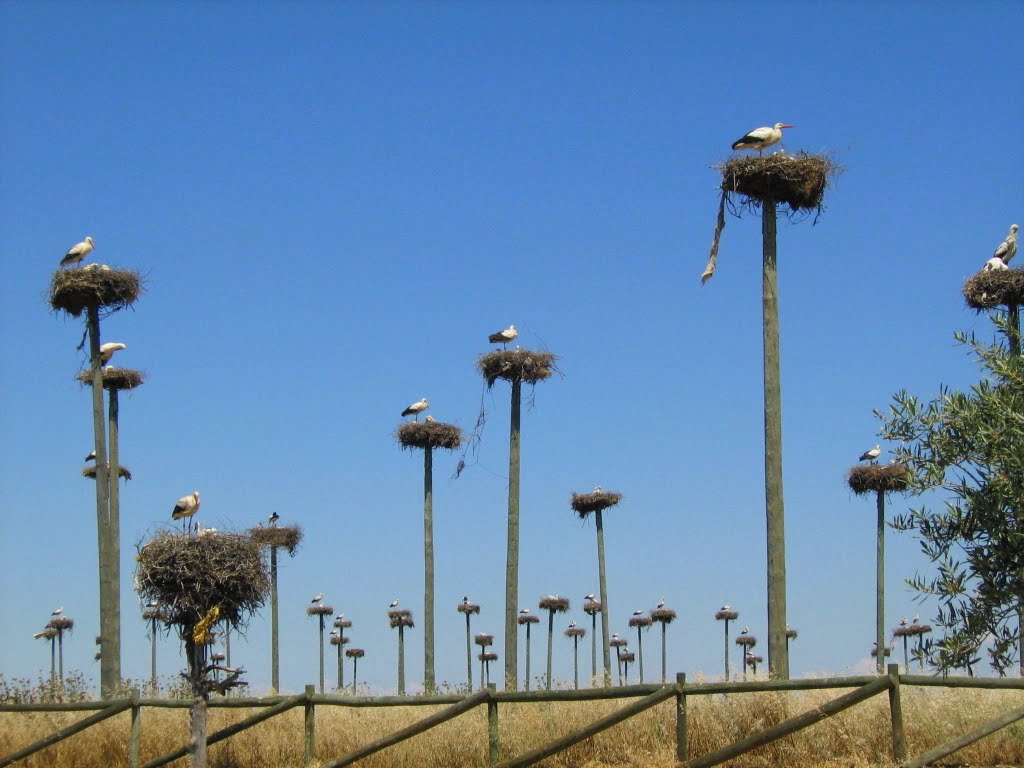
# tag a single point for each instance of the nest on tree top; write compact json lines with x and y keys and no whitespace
{"x":527,"y":618}
{"x":640,"y":621}
{"x":340,"y":640}
{"x":115,"y":378}
{"x":575,"y":632}
{"x":585,"y":503}
{"x":319,"y":610}
{"x":663,"y":615}
{"x":879,"y":478}
{"x":90,"y":472}
{"x":61,"y":623}
{"x":483,"y":639}
{"x":798,"y":180}
{"x":554,"y":603}
{"x":747,"y":640}
{"x":468,"y":608}
{"x":429,"y":434}
{"x":287,"y":537}
{"x":400,"y":618}
{"x":74,"y":290}
{"x":516,"y":365}
{"x":355,"y":653}
{"x":988,"y":290}
{"x":726,"y":615}
{"x":592,"y":607}
{"x":189,"y":576}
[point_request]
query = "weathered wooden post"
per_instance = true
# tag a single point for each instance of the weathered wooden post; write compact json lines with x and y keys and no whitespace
{"x":763,"y":182}
{"x":618,"y":644}
{"x":515,"y":366}
{"x":663,"y":616}
{"x":428,"y":435}
{"x":726,"y":614}
{"x":899,"y":741}
{"x":527,"y":619}
{"x":399,"y":618}
{"x":468,"y":608}
{"x":592,"y":608}
{"x":879,"y":479}
{"x":321,"y":611}
{"x":682,"y":737}
{"x":575,"y":633}
{"x":641,"y":623}
{"x":50,"y":634}
{"x":309,"y":727}
{"x":493,"y":744}
{"x":92,"y":290}
{"x":583,"y":504}
{"x":135,"y":734}
{"x":552,"y":604}
{"x":272,"y":538}
{"x":355,"y":654}
{"x":746,"y":642}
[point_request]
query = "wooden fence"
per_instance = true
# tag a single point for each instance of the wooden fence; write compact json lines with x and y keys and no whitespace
{"x":646,"y":696}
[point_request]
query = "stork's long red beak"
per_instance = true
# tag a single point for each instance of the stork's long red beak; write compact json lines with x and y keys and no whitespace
{"x":784,"y":125}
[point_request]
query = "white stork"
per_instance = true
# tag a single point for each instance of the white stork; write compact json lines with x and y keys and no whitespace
{"x":590,"y":597}
{"x":661,"y":603}
{"x":416,"y":409}
{"x":57,"y":611}
{"x":572,"y":624}
{"x":429,"y":419}
{"x":77,"y":252}
{"x":273,"y":518}
{"x":746,"y":631}
{"x":393,"y":604}
{"x":186,"y":507}
{"x":727,"y":607}
{"x":91,"y":456}
{"x":638,"y":613}
{"x":994,"y":264}
{"x":1008,"y":248}
{"x":761,"y":138}
{"x":525,"y":611}
{"x":317,"y":598}
{"x":465,"y":599}
{"x":503,"y":337}
{"x":871,"y":455}
{"x":107,"y":350}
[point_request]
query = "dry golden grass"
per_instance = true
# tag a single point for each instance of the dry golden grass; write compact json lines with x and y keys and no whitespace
{"x":857,"y":738}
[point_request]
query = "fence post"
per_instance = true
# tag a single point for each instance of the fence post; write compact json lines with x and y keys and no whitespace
{"x":681,"y":736}
{"x":136,"y":732}
{"x":310,"y":726}
{"x":899,"y":742}
{"x":493,"y":745}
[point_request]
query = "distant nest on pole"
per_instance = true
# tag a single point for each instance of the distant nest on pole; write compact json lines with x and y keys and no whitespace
{"x":115,"y":378}
{"x":74,"y":290}
{"x":798,"y":180}
{"x":554,"y":603}
{"x":516,"y":365}
{"x":468,"y":608}
{"x":729,"y":615}
{"x":627,"y":656}
{"x":585,"y":503}
{"x":90,"y":472}
{"x":286,"y":537}
{"x":904,"y":631}
{"x":919,"y":629}
{"x":883,"y":478}
{"x":400,"y":618}
{"x":988,"y":290}
{"x":575,"y":632}
{"x":151,"y":614}
{"x":483,"y":639}
{"x":748,"y":641}
{"x":618,"y":642}
{"x":527,"y":618}
{"x":663,"y":615}
{"x":792,"y":634}
{"x":48,"y":633}
{"x":189,"y":576}
{"x":355,"y":653}
{"x":753,"y":660}
{"x":489,"y":656}
{"x":592,"y":607}
{"x":640,"y":621}
{"x":342,"y":623}
{"x":874,"y":652}
{"x":61,"y":623}
{"x":429,"y":434}
{"x":340,"y":640}
{"x":319,"y":610}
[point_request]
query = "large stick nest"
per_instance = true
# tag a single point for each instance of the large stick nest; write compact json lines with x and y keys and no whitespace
{"x":527,"y":618}
{"x":798,"y":180}
{"x":48,"y":633}
{"x":792,"y":634}
{"x":468,"y":608}
{"x":908,"y":631}
{"x":489,"y":656}
{"x":878,"y":478}
{"x":627,"y":657}
{"x":355,"y":653}
{"x":400,"y":618}
{"x":640,"y":621}
{"x":592,"y":606}
{"x":429,"y":434}
{"x":585,"y":503}
{"x":483,"y":639}
{"x":727,"y":615}
{"x":575,"y":632}
{"x":663,"y":615}
{"x":319,"y":610}
{"x":287,"y":537}
{"x":74,"y":290}
{"x":516,"y":365}
{"x":90,"y":472}
{"x":114,"y":378}
{"x":342,"y":623}
{"x":61,"y":623}
{"x":153,"y":613}
{"x":554,"y":603}
{"x":618,"y":642}
{"x":988,"y":290}
{"x":747,"y":640}
{"x":190,"y":575}
{"x":340,"y":640}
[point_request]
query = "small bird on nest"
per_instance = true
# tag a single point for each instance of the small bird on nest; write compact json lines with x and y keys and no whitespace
{"x":871,"y":455}
{"x":503,"y":337}
{"x":77,"y":252}
{"x":1008,"y":248}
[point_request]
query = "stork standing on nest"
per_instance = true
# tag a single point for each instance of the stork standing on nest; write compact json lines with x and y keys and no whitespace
{"x":107,"y":350}
{"x":761,"y":138}
{"x":77,"y":252}
{"x":416,"y":409}
{"x":503,"y":337}
{"x":186,"y":507}
{"x":1008,"y":248}
{"x":871,"y":455}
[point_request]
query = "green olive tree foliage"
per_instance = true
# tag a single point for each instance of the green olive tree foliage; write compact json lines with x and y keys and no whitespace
{"x":969,"y":447}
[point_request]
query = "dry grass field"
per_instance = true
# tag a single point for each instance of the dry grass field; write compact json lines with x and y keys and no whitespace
{"x":857,"y":738}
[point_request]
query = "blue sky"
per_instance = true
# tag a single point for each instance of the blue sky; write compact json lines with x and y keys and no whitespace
{"x":334,"y":204}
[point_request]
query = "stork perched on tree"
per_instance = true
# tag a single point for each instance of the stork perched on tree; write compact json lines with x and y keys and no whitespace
{"x":77,"y":252}
{"x":1008,"y":248}
{"x":186,"y":507}
{"x":503,"y":337}
{"x":761,"y":138}
{"x":871,"y":455}
{"x":416,"y":409}
{"x":107,"y":350}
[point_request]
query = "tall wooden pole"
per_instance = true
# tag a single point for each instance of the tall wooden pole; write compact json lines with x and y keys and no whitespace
{"x":428,"y":570}
{"x":1013,"y":324}
{"x":341,"y":675}
{"x":469,"y":657}
{"x":114,"y":529}
{"x":401,"y":660}
{"x":275,"y":678}
{"x":880,"y":586}
{"x":663,"y":625}
{"x":640,"y":651}
{"x":110,"y":662}
{"x":605,"y":637}
{"x":726,"y":650}
{"x":320,"y":617}
{"x":551,"y":634}
{"x":53,"y":662}
{"x":527,"y":655}
{"x":152,"y":656}
{"x":355,"y":674}
{"x":512,"y":555}
{"x":60,"y":655}
{"x":593,"y":650}
{"x":778,"y":659}
{"x":576,"y":662}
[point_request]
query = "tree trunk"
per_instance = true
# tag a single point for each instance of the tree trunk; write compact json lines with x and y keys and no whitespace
{"x":527,"y":655}
{"x":401,"y":660}
{"x":880,"y":586}
{"x":551,"y":634}
{"x":114,"y":532}
{"x":275,"y":678}
{"x":605,"y":637}
{"x":428,"y":571}
{"x":778,"y":659}
{"x":512,"y":555}
{"x":469,"y":657}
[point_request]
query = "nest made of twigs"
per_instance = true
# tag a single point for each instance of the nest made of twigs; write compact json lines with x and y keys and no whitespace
{"x":575,"y":632}
{"x":554,"y":603}
{"x":798,"y":180}
{"x":516,"y":365}
{"x":151,"y":614}
{"x":48,"y":633}
{"x":188,"y":576}
{"x":904,"y":631}
{"x":286,"y":537}
{"x":483,"y":639}
{"x":400,"y":618}
{"x":747,"y":640}
{"x":114,"y":378}
{"x":640,"y":621}
{"x":528,"y":618}
{"x":919,"y":629}
{"x":663,"y":615}
{"x":627,"y":656}
{"x":468,"y":608}
{"x":727,"y":615}
{"x":753,"y":660}
{"x":217,"y":656}
{"x":488,"y":656}
{"x":988,"y":290}
{"x":61,"y":623}
{"x":878,"y":478}
{"x":618,"y":642}
{"x":874,"y":652}
{"x":340,"y":640}
{"x":90,"y":472}
{"x":319,"y":610}
{"x":429,"y":434}
{"x":355,"y":653}
{"x":585,"y":503}
{"x":74,"y":290}
{"x":591,"y":607}
{"x":342,"y":623}
{"x":792,"y":634}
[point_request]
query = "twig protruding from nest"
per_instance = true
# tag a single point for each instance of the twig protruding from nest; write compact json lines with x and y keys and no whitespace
{"x":286,"y":537}
{"x":516,"y":364}
{"x":869,"y":478}
{"x":429,"y":434}
{"x":554,"y":603}
{"x":993,"y":288}
{"x":114,"y":378}
{"x":74,"y":290}
{"x":585,"y":503}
